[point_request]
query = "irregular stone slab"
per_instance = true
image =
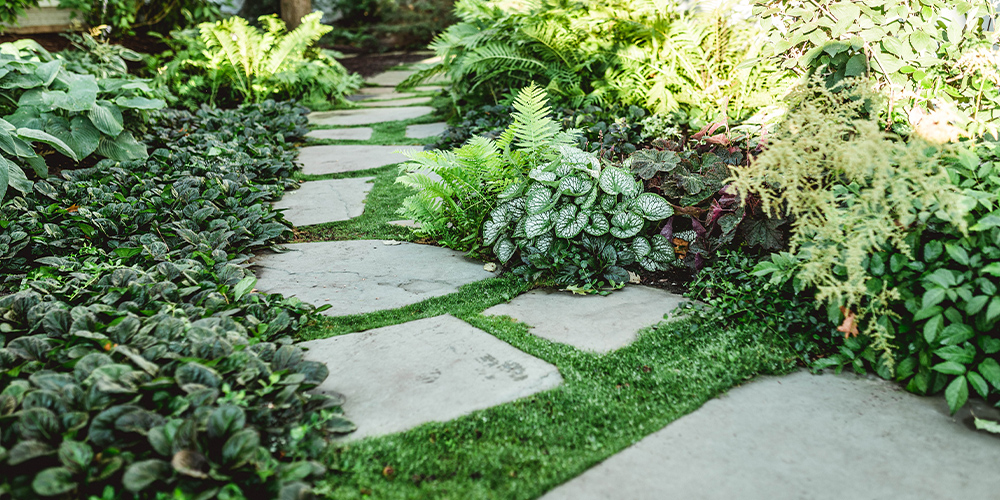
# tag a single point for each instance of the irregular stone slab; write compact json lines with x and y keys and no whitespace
{"x":367,"y":116}
{"x":362,"y":276}
{"x":389,"y":78}
{"x":342,"y":134}
{"x":803,"y":436}
{"x":426,"y":130}
{"x":590,"y":322}
{"x":398,"y":102}
{"x":316,"y":202}
{"x":388,"y":96}
{"x":319,"y":160}
{"x":368,"y":91}
{"x":405,"y":223}
{"x":430,"y":370}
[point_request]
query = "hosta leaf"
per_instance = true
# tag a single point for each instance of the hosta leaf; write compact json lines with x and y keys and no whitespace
{"x":537,"y":224}
{"x":53,"y":481}
{"x":140,"y":475}
{"x":46,"y":138}
{"x":124,"y":147}
{"x":653,"y":206}
{"x":625,"y":225}
{"x":617,"y":181}
{"x":107,"y":118}
{"x":504,"y":250}
{"x":139,"y":103}
{"x":569,"y":223}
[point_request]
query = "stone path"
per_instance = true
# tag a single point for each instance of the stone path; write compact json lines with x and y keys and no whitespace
{"x":433,"y":369}
{"x":804,"y":436}
{"x":799,"y":436}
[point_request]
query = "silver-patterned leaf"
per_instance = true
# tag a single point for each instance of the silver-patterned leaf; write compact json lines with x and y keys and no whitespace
{"x":625,"y":225}
{"x":491,"y":230}
{"x":504,"y":249}
{"x":653,"y":206}
{"x":544,"y":242}
{"x":574,"y":186}
{"x":641,"y":246}
{"x":617,"y":181}
{"x":538,"y":199}
{"x":538,"y":224}
{"x":512,"y":191}
{"x":598,"y":226}
{"x":569,"y":222}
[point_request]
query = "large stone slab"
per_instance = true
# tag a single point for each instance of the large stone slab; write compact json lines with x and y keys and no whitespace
{"x":388,"y":96}
{"x":319,"y":160}
{"x":389,"y":78}
{"x":398,"y":102}
{"x":316,"y":202}
{"x":362,"y":276}
{"x":342,"y":134}
{"x":426,"y":130}
{"x":434,"y":369}
{"x":376,"y":91}
{"x":590,"y":322}
{"x":367,"y":116}
{"x":804,"y":436}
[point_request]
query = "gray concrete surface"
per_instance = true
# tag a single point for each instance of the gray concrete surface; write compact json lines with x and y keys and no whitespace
{"x":367,"y":116}
{"x":316,"y":202}
{"x":362,"y":276}
{"x":426,"y":130}
{"x":319,"y":160}
{"x":412,"y":224}
{"x":370,"y":91}
{"x":398,"y":102}
{"x":342,"y":134}
{"x":590,"y":322}
{"x":389,"y":78}
{"x":388,"y":96}
{"x":803,"y":436}
{"x":433,"y":369}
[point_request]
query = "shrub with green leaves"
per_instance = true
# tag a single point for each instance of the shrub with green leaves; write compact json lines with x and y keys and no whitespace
{"x":137,"y":361}
{"x":126,"y":16}
{"x":923,"y":54}
{"x":232,"y":62}
{"x":11,"y":10}
{"x":67,"y":116}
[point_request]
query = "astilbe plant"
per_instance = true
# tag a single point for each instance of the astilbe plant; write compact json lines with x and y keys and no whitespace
{"x":851,"y":190}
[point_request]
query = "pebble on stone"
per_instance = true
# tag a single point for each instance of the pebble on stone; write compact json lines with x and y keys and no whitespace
{"x":342,"y":134}
{"x":429,"y":370}
{"x":593,"y":323}
{"x":362,"y":276}
{"x":426,"y":130}
{"x":367,"y":116}
{"x":317,"y":202}
{"x":400,"y":102}
{"x":822,"y":437}
{"x":319,"y":160}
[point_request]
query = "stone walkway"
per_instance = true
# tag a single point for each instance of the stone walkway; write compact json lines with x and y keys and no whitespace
{"x":800,"y":436}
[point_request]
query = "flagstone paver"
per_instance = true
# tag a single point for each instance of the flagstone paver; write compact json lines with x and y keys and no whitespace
{"x":361,"y":276}
{"x":399,"y":102}
{"x":376,"y":91}
{"x":405,"y":223}
{"x":426,"y":130}
{"x":342,"y":134}
{"x":390,"y":96}
{"x":592,"y":323}
{"x":433,"y":369}
{"x":804,"y":437}
{"x":367,"y":116}
{"x":319,"y":160}
{"x":316,"y":202}
{"x":393,"y":78}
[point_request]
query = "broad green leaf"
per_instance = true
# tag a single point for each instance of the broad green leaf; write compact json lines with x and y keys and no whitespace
{"x":53,"y":481}
{"x":75,"y":455}
{"x":950,"y":368}
{"x":933,"y":297}
{"x":491,"y":231}
{"x":653,"y":207}
{"x":140,"y":475}
{"x":957,"y":253}
{"x":957,"y":393}
{"x":46,"y":138}
{"x":641,"y":246}
{"x":225,"y":420}
{"x":857,"y":65}
{"x":932,"y":327}
{"x":993,"y":311}
{"x":538,"y":199}
{"x":569,"y":223}
{"x":17,"y":180}
{"x":598,"y":225}
{"x":990,"y":370}
{"x":244,"y":287}
{"x":976,"y":304}
{"x":992,"y":269}
{"x":122,"y":148}
{"x":504,"y":250}
{"x":240,"y":448}
{"x":537,"y":224}
{"x":107,"y":118}
{"x":574,"y":186}
{"x":5,"y":167}
{"x":978,"y":383}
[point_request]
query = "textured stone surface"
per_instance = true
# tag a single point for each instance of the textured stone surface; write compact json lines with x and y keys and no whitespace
{"x":405,"y":223}
{"x":426,"y":130}
{"x":367,"y":116}
{"x":342,"y":134}
{"x":398,"y":102}
{"x":319,"y":160}
{"x":387,"y":96}
{"x":804,"y":437}
{"x":393,"y":78}
{"x":362,"y":276}
{"x":316,"y":202}
{"x":590,"y":322}
{"x":434,"y":369}
{"x":377,"y":91}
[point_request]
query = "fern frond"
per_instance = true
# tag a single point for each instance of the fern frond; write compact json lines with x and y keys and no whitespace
{"x":532,"y":127}
{"x":292,"y":46}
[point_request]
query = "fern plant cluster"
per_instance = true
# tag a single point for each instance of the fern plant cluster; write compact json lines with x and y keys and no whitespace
{"x":232,"y":62}
{"x":648,"y":54}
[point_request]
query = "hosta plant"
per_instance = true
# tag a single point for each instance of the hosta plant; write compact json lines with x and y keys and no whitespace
{"x":573,"y":204}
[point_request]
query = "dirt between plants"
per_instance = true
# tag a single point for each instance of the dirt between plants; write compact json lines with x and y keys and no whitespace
{"x":372,"y":64}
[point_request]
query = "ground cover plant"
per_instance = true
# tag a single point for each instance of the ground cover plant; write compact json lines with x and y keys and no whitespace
{"x":232,"y":62}
{"x":136,"y":359}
